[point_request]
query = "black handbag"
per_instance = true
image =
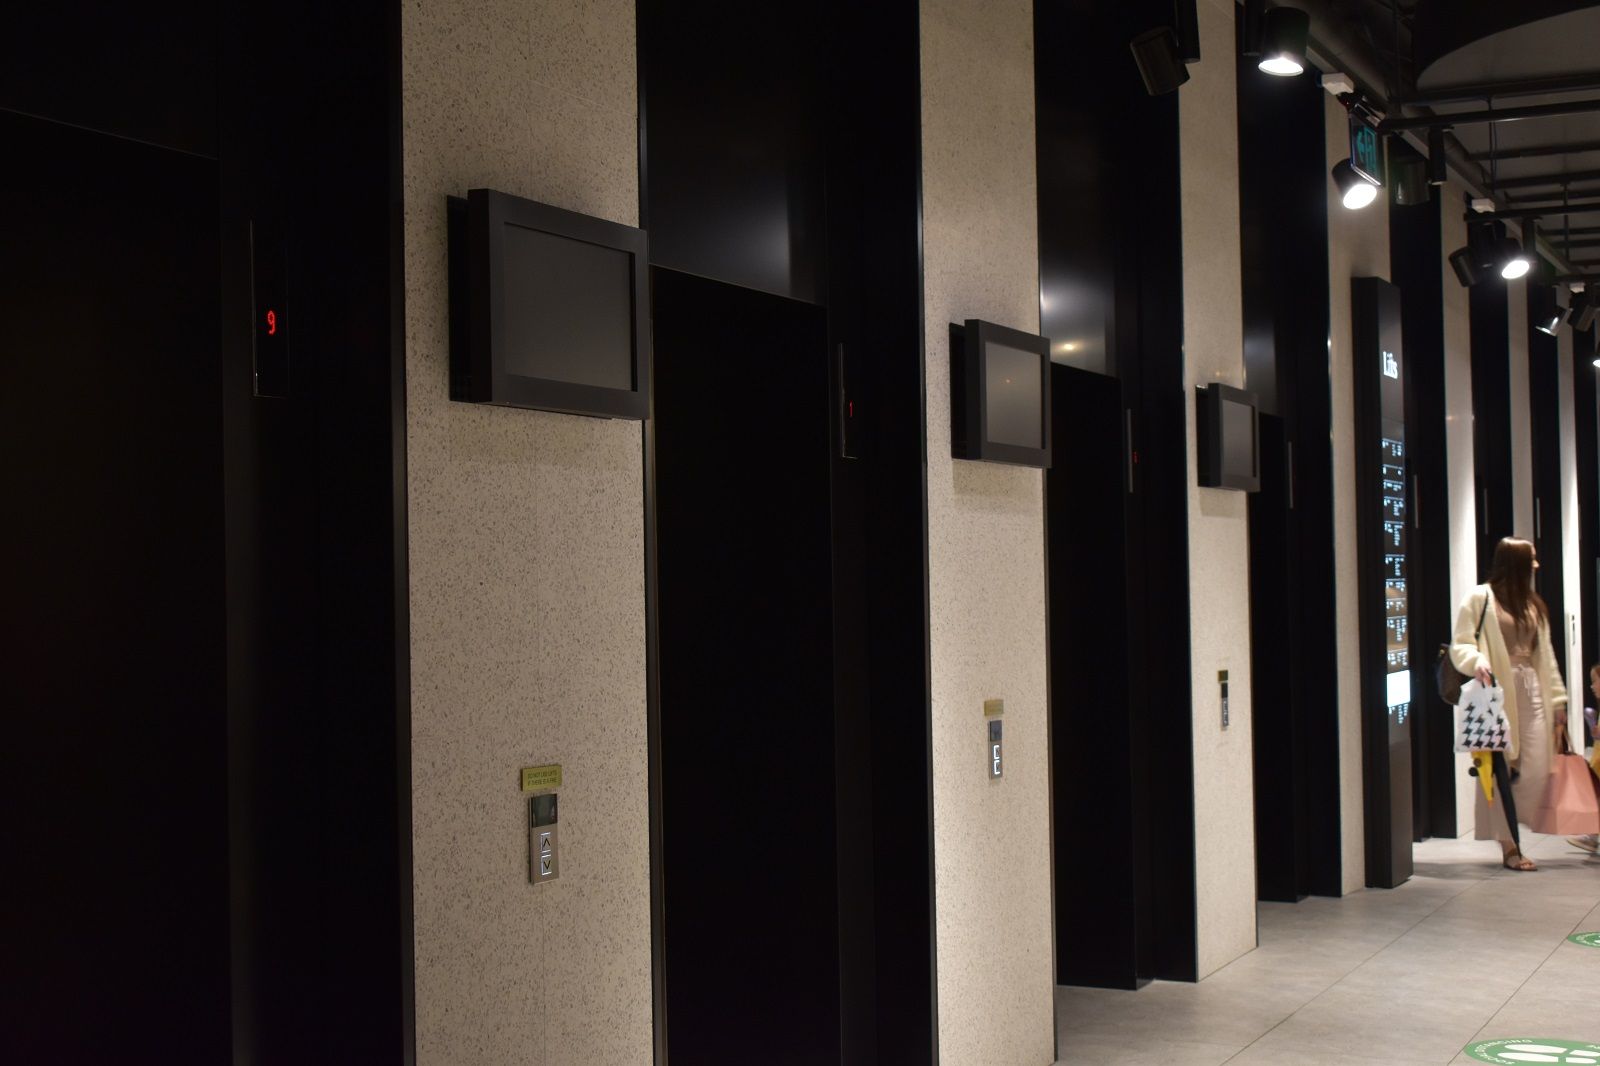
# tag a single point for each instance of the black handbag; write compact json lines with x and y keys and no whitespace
{"x":1445,"y":675}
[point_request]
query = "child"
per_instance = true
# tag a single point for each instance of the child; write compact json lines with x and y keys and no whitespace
{"x":1590,"y":843}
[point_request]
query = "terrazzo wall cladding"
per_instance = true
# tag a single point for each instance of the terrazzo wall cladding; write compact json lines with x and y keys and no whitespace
{"x":1521,"y":415}
{"x":1572,"y":559}
{"x":1358,"y":246}
{"x":985,"y":548}
{"x":1458,"y":446}
{"x":1219,"y":533}
{"x":527,"y":586}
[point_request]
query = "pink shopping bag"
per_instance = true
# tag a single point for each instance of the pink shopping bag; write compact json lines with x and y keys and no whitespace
{"x":1570,"y":805}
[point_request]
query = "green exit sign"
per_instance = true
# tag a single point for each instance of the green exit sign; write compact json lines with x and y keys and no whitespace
{"x":1364,"y":151}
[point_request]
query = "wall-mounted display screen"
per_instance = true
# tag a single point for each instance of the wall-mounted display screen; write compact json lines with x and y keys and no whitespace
{"x":1014,"y":396}
{"x":548,"y":308}
{"x":572,"y":317}
{"x":999,"y":395}
{"x":1239,"y":438}
{"x":1229,"y":443}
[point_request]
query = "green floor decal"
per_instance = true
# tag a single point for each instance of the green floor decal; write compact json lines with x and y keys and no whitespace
{"x":1523,"y":1049}
{"x":1588,"y":940}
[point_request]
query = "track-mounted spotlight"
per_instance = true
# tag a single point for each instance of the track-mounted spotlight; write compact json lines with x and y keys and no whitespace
{"x":1160,"y":60}
{"x":1285,"y":32}
{"x":1543,"y":311}
{"x":1582,"y":313}
{"x":1465,"y":263}
{"x":1513,"y":261}
{"x":1355,"y":191}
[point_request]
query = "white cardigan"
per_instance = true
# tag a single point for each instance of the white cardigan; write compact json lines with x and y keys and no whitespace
{"x":1489,"y":649}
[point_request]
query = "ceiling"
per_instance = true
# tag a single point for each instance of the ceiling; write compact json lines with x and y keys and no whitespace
{"x":1467,"y":57}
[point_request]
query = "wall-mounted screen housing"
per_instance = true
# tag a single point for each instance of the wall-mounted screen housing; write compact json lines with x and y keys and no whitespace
{"x":999,"y":395}
{"x":549,"y":309}
{"x":1230,"y":442}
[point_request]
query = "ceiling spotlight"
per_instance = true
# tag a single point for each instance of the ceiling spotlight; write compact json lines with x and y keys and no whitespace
{"x":1354,"y":190}
{"x":1285,"y":32}
{"x":1543,"y":311}
{"x":1465,"y":263}
{"x":1582,"y":313}
{"x":1160,"y":60}
{"x":1514,"y":261}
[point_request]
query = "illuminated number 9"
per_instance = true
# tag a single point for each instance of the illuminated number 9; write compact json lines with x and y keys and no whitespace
{"x":272,"y":323}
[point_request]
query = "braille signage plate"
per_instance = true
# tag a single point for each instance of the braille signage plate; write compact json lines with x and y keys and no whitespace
{"x":1521,"y":1049}
{"x":993,"y":707}
{"x":539,"y":778}
{"x":1588,"y":940}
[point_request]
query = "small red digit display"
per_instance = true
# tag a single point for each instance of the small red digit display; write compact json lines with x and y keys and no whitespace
{"x":272,"y":323}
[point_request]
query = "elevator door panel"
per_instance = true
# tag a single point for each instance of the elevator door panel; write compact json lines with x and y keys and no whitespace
{"x":746,"y":665}
{"x":113,"y":774}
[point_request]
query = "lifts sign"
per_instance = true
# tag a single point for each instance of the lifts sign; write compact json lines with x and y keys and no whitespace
{"x":1391,"y":365}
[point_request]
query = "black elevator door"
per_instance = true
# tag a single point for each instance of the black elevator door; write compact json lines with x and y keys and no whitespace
{"x":113,"y":777}
{"x":746,"y":671}
{"x":1102,"y":921}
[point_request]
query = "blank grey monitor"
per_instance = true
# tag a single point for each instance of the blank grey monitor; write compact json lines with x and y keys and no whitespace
{"x":1012,"y":387}
{"x":1238,"y":438}
{"x":568,"y":309}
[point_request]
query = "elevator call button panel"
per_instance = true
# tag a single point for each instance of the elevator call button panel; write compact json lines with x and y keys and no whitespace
{"x":544,"y":843}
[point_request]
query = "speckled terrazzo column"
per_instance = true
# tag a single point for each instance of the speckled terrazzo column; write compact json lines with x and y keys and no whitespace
{"x":527,"y":586}
{"x":1358,"y":247}
{"x":986,"y":577}
{"x":1219,"y":527}
{"x":1461,"y":472}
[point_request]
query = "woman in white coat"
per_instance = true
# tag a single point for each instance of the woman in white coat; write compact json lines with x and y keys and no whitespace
{"x":1514,"y":648}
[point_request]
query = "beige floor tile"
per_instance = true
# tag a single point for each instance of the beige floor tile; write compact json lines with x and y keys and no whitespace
{"x":1464,"y":950}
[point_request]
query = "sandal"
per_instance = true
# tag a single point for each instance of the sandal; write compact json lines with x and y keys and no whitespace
{"x":1518,"y":862}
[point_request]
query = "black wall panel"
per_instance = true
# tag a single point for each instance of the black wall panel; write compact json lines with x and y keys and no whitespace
{"x":302,"y":770}
{"x":114,"y":769}
{"x":1586,"y":427}
{"x":147,"y":72}
{"x":1414,"y":250}
{"x":1490,"y":321}
{"x":780,"y":154}
{"x":1284,"y":276}
{"x":733,"y":126}
{"x":1544,"y":411}
{"x":1120,"y":169}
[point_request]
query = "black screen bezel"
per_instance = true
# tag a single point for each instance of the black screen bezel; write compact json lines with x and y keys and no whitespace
{"x":969,"y":394}
{"x":1208,"y":426}
{"x":478,"y":373}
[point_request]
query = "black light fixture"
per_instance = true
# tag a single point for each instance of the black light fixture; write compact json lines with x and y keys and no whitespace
{"x":1254,"y":11}
{"x":1514,"y":259}
{"x":1465,"y":263}
{"x":1408,"y":180}
{"x":1355,"y":191}
{"x":1543,"y":310}
{"x":1160,"y":60}
{"x":1581,"y":315}
{"x":1437,"y":174}
{"x":1285,"y":32}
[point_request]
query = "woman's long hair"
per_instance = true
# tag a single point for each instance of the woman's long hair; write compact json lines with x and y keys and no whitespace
{"x":1511,"y":578}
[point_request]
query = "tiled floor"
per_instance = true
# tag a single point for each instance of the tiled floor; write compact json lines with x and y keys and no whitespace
{"x":1464,"y":951}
